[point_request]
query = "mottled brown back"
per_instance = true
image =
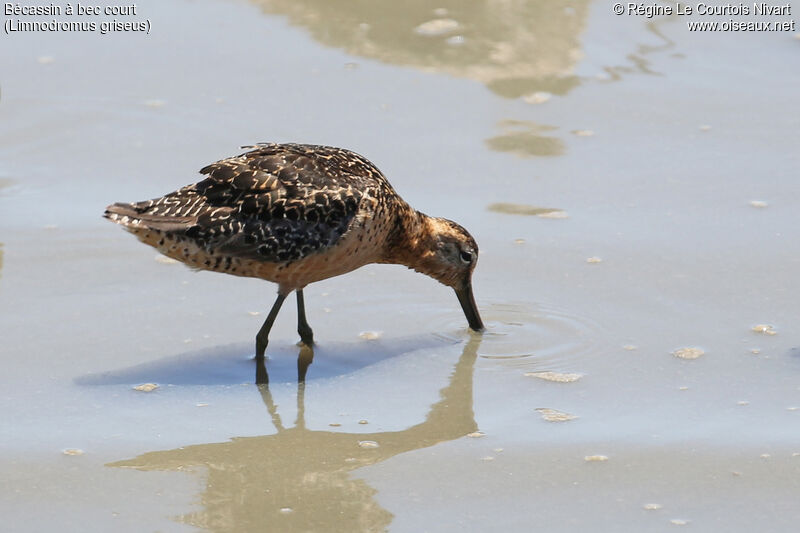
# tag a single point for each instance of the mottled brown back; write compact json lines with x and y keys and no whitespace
{"x":276,"y":202}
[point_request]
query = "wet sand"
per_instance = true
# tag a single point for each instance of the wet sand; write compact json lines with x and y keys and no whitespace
{"x":632,"y":187}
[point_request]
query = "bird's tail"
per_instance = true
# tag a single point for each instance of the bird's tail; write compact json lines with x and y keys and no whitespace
{"x":123,"y":214}
{"x":135,"y":217}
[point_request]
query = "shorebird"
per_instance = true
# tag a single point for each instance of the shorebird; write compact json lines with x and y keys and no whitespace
{"x":294,"y":214}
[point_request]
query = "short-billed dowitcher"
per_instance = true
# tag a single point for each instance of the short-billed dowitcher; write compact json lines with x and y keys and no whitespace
{"x":295,"y":214}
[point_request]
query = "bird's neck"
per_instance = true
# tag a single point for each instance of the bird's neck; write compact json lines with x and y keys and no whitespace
{"x":413,"y":240}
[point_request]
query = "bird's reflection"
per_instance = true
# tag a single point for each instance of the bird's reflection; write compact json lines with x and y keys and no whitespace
{"x":298,"y":479}
{"x":304,"y":360}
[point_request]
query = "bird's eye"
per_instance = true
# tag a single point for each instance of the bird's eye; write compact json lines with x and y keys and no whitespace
{"x":466,"y":257}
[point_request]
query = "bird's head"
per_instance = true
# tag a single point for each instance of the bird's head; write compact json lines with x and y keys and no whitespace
{"x":448,"y":253}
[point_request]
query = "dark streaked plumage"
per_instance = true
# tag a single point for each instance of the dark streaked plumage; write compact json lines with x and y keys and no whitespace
{"x":295,"y":214}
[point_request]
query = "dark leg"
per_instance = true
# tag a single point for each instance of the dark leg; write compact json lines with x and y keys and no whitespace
{"x":262,"y":338}
{"x":262,"y":377}
{"x":306,"y":335}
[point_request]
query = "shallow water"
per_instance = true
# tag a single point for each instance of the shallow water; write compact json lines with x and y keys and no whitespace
{"x":652,"y":141}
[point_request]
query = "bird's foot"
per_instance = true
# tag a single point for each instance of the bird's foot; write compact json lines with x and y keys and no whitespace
{"x":261,"y":349}
{"x":306,"y":336}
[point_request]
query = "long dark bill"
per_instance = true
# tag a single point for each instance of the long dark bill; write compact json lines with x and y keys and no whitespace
{"x":467,"y":302}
